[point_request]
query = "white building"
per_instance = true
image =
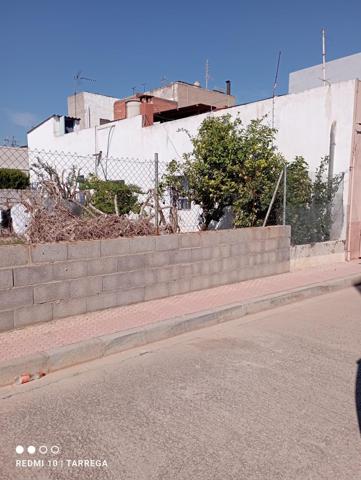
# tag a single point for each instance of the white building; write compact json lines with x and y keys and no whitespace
{"x":304,"y":122}
{"x":339,"y":70}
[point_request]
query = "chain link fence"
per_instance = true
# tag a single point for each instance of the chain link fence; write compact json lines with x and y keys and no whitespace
{"x":90,"y":185}
{"x":96,"y":185}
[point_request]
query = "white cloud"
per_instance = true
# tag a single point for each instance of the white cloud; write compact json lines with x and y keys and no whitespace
{"x":23,"y":119}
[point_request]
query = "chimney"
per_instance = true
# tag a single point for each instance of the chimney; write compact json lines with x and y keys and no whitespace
{"x":228,"y":87}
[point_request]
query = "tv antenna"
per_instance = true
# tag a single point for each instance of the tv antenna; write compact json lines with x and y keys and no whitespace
{"x":324,"y":79}
{"x":78,"y":79}
{"x":207,"y":77}
{"x":10,"y":142}
{"x":275,"y":84}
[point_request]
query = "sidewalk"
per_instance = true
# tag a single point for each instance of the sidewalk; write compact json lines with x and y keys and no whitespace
{"x":56,"y":336}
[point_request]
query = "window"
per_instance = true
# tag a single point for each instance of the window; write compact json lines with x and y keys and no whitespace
{"x":184,"y":203}
{"x":70,"y":124}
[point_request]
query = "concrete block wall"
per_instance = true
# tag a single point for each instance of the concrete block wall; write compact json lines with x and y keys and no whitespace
{"x":39,"y":283}
{"x":317,"y":254}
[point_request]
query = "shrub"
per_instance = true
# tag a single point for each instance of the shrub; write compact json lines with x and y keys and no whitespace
{"x":112,"y":196}
{"x":13,"y":178}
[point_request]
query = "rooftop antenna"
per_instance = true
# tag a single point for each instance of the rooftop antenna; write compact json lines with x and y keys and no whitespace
{"x":323,"y":31}
{"x":163,"y":81}
{"x":143,"y":85}
{"x":275,"y":84}
{"x":133,"y":90}
{"x":78,"y":79}
{"x":207,"y":73}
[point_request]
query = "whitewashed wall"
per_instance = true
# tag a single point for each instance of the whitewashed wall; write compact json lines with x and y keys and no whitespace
{"x":303,"y":121}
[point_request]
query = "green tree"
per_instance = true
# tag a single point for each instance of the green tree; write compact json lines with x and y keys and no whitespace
{"x":230,"y":165}
{"x":309,"y":202}
{"x":112,"y":196}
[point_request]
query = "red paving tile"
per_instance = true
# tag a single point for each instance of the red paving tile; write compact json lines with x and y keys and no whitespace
{"x":42,"y":337}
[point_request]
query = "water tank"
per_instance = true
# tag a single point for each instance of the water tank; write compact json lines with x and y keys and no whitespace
{"x":133,"y":108}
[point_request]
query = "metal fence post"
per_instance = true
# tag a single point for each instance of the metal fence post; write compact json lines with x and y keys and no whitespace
{"x":273,"y":198}
{"x":284,"y":193}
{"x":156,"y":193}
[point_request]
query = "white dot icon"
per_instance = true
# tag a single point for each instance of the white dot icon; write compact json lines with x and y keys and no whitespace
{"x":19,"y":449}
{"x":31,"y":450}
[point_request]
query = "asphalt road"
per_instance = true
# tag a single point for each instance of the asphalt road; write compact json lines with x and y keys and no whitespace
{"x":268,"y":396}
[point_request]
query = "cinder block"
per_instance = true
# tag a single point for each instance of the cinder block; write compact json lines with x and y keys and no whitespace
{"x":33,"y":275}
{"x":33,"y":314}
{"x":67,"y":270}
{"x":186,"y":270}
{"x":6,"y":320}
{"x":68,"y":308}
{"x":116,"y":281}
{"x":283,"y":255}
{"x":280,"y":231}
{"x":225,"y":250}
{"x":181,"y":256}
{"x":13,"y":255}
{"x":196,"y":269}
{"x":210,"y":239}
{"x":167,"y":242}
{"x":102,"y":266}
{"x":16,"y":297}
{"x":229,"y":264}
{"x":51,"y":292}
{"x":180,"y":286}
{"x":271,"y":244}
{"x":142,"y":244}
{"x":169,"y":273}
{"x":190,"y":240}
{"x":85,"y":287}
{"x":114,"y":246}
{"x":160,"y":259}
{"x":200,"y":282}
{"x":238,"y":249}
{"x":6,"y":279}
{"x":159,"y":290}
{"x":140,"y":278}
{"x":74,"y":354}
{"x":84,"y":249}
{"x":209,"y":267}
{"x":202,"y":253}
{"x":284,"y":242}
{"x":48,"y":252}
{"x":234,"y":235}
{"x":127,"y":263}
{"x":134,"y":295}
{"x":257,"y":246}
{"x":102,"y":301}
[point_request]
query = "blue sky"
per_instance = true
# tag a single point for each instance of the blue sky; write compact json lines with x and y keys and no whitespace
{"x":123,"y":44}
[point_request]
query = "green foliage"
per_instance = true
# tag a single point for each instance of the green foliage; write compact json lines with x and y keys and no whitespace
{"x":13,"y":178}
{"x":112,"y":196}
{"x":230,"y":165}
{"x":309,"y":203}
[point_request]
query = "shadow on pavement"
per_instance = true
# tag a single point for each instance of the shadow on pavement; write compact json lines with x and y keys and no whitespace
{"x":358,"y":393}
{"x":358,"y":383}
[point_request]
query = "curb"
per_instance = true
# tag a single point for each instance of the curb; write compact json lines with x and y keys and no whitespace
{"x":98,"y":347}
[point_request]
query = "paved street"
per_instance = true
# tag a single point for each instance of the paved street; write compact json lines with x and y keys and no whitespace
{"x":268,"y":396}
